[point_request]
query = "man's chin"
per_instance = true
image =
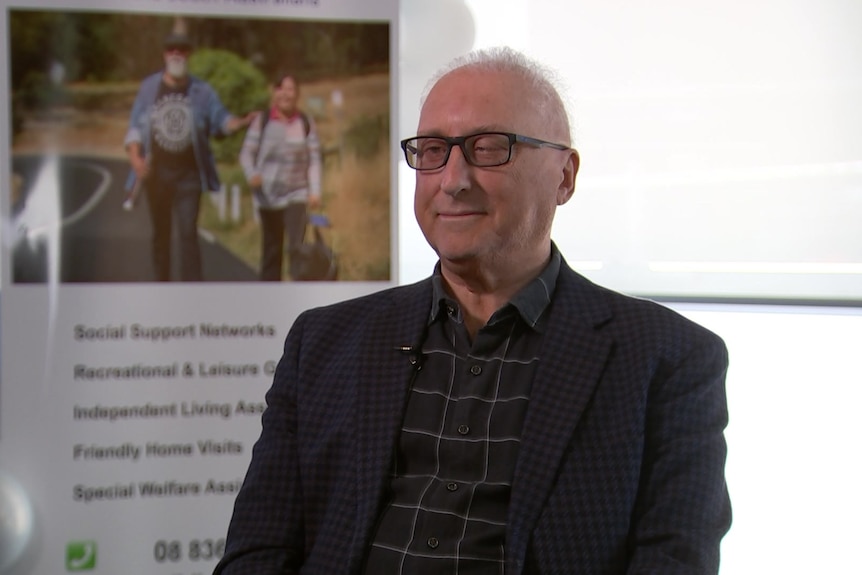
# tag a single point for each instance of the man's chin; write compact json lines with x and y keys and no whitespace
{"x":462,"y":256}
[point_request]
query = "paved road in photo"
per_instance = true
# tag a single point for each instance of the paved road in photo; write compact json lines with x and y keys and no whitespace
{"x":69,"y":226}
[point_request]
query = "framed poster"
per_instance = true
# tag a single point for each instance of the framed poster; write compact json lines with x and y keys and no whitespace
{"x":137,"y":333}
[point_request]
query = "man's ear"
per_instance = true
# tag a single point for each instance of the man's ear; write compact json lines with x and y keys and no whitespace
{"x":570,"y":173}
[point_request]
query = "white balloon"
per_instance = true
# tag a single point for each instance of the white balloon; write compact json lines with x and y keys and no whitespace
{"x":430,"y":35}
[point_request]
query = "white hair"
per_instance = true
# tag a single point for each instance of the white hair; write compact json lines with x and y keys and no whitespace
{"x":545,"y":81}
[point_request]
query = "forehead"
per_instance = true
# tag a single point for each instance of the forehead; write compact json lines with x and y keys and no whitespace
{"x":288,"y":82}
{"x":474,"y":99}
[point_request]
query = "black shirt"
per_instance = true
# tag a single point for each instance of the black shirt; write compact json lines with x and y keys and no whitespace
{"x":172,"y":123}
{"x":456,"y":455}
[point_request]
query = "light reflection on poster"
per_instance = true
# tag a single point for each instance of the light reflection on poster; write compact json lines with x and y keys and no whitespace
{"x":128,"y":405}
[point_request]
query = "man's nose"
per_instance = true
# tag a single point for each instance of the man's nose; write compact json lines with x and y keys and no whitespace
{"x":456,"y":172}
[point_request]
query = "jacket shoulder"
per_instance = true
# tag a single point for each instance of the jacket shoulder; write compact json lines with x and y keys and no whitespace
{"x":349,"y":317}
{"x":630,"y":318}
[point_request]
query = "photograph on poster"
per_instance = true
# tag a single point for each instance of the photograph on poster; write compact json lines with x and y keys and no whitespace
{"x":155,"y":147}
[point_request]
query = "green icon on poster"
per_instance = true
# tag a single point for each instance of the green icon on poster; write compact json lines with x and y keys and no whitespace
{"x":80,"y":556}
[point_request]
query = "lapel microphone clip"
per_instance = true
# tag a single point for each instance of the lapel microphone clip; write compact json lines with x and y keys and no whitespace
{"x":413,"y":353}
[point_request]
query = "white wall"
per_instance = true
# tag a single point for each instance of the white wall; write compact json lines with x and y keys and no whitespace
{"x":719,"y":142}
{"x":793,"y":470}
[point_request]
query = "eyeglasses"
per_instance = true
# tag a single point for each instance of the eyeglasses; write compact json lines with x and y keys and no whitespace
{"x":484,"y":150}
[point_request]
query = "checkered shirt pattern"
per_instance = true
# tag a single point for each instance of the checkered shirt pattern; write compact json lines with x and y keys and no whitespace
{"x":460,"y":438}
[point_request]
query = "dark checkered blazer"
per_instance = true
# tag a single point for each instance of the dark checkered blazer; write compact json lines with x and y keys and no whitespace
{"x":621,"y":466}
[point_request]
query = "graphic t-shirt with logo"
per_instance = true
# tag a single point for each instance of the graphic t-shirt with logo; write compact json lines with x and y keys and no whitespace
{"x":172,"y":125}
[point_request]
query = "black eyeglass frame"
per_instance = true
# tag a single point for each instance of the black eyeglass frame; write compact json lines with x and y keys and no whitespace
{"x":461,"y":140}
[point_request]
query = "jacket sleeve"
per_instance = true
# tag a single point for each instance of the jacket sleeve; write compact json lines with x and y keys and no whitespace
{"x":218,"y":117}
{"x":266,"y":531}
{"x":683,"y":509}
{"x":139,"y":107}
{"x":137,"y":131}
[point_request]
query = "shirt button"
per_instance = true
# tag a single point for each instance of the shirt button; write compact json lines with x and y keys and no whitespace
{"x":452,"y":486}
{"x":476,"y":369}
{"x":433,"y":542}
{"x":463,"y":429}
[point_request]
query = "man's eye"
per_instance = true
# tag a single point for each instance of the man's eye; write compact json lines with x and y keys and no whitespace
{"x":489,"y":145}
{"x":433,"y":149}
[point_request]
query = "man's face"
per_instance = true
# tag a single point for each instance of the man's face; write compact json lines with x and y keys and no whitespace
{"x":176,"y":61}
{"x":500,"y":214}
{"x":286,"y":95}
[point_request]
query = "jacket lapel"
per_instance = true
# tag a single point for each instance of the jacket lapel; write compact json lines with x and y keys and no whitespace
{"x":385,"y":372}
{"x":573,"y":356}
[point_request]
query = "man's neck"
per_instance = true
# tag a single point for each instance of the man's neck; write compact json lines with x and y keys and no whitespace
{"x":174,"y":82}
{"x":481,"y":290}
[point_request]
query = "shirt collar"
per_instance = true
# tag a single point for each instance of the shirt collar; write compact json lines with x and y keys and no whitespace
{"x":275,"y":114}
{"x":530,"y":303}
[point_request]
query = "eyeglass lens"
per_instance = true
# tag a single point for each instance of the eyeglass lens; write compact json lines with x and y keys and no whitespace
{"x":483,"y":150}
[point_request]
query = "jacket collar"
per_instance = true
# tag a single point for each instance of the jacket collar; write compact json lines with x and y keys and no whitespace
{"x":388,"y":362}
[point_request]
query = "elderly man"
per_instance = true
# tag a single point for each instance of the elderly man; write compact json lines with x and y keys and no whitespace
{"x":505,"y":415}
{"x":172,"y":120}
